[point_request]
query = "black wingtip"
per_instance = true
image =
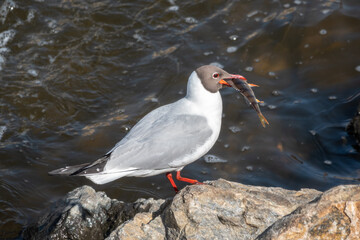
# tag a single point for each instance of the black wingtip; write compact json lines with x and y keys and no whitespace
{"x":82,"y":169}
{"x":67,"y":171}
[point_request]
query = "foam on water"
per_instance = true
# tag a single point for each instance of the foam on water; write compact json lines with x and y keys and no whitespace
{"x":2,"y":62}
{"x":5,"y":9}
{"x":33,"y":72}
{"x":6,"y":37}
{"x":231,"y":49}
{"x":213,"y":159}
{"x":2,"y":131}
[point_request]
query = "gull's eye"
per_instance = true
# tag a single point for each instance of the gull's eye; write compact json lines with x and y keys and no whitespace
{"x":215,"y":75}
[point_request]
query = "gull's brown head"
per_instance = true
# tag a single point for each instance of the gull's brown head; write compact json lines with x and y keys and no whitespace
{"x":214,"y":78}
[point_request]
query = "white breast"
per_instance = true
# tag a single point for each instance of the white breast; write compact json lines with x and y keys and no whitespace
{"x":204,"y":102}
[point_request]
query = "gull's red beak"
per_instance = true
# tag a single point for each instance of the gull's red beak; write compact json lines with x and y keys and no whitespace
{"x":238,"y":77}
{"x":223,"y":82}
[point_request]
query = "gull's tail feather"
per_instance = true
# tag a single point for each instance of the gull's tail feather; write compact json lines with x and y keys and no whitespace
{"x":103,"y":178}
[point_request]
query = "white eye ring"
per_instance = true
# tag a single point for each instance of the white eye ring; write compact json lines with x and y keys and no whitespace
{"x":215,"y":75}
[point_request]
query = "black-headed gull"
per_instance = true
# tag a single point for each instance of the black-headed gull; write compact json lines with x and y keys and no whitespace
{"x":169,"y":137}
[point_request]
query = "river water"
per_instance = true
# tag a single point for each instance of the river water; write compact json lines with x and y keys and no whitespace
{"x":77,"y":75}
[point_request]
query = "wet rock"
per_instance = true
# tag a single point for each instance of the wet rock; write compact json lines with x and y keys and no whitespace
{"x":86,"y":214}
{"x":354,"y":128}
{"x":217,"y":210}
{"x":83,"y":214}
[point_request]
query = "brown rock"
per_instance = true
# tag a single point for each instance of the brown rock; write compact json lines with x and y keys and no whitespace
{"x":335,"y":215}
{"x":145,"y":225}
{"x":220,"y":210}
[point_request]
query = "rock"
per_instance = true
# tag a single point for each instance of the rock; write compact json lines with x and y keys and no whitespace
{"x":83,"y":214}
{"x":86,"y":214}
{"x":354,"y":128}
{"x":220,"y":210}
{"x":216,"y":210}
{"x":147,"y":224}
{"x":335,"y":215}
{"x":228,"y":210}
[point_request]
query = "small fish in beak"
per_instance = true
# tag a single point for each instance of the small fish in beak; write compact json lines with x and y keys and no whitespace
{"x":239,"y":83}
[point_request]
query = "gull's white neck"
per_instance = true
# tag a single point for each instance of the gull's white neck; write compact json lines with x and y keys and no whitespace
{"x":210,"y":104}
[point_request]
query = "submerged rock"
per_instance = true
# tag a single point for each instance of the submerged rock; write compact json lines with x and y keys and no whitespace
{"x":216,"y":210}
{"x":354,"y":128}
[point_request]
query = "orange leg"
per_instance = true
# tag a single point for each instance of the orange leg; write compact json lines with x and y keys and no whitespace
{"x":169,"y":176}
{"x":192,"y":181}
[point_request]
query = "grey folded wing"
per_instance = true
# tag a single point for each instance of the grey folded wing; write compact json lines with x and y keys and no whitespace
{"x":159,"y":140}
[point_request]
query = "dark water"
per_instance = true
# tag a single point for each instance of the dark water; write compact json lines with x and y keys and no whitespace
{"x":77,"y":75}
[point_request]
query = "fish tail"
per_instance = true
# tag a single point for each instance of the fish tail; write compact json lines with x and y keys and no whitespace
{"x":257,"y":100}
{"x":253,"y":85}
{"x":263,"y":120}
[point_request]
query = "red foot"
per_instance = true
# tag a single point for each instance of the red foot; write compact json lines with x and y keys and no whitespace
{"x":180,"y":178}
{"x":169,"y":176}
{"x":192,"y":181}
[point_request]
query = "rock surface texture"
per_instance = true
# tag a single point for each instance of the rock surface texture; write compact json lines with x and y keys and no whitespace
{"x":216,"y":210}
{"x":335,"y":215}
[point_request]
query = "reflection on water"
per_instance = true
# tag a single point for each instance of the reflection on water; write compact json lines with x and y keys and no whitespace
{"x":77,"y":75}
